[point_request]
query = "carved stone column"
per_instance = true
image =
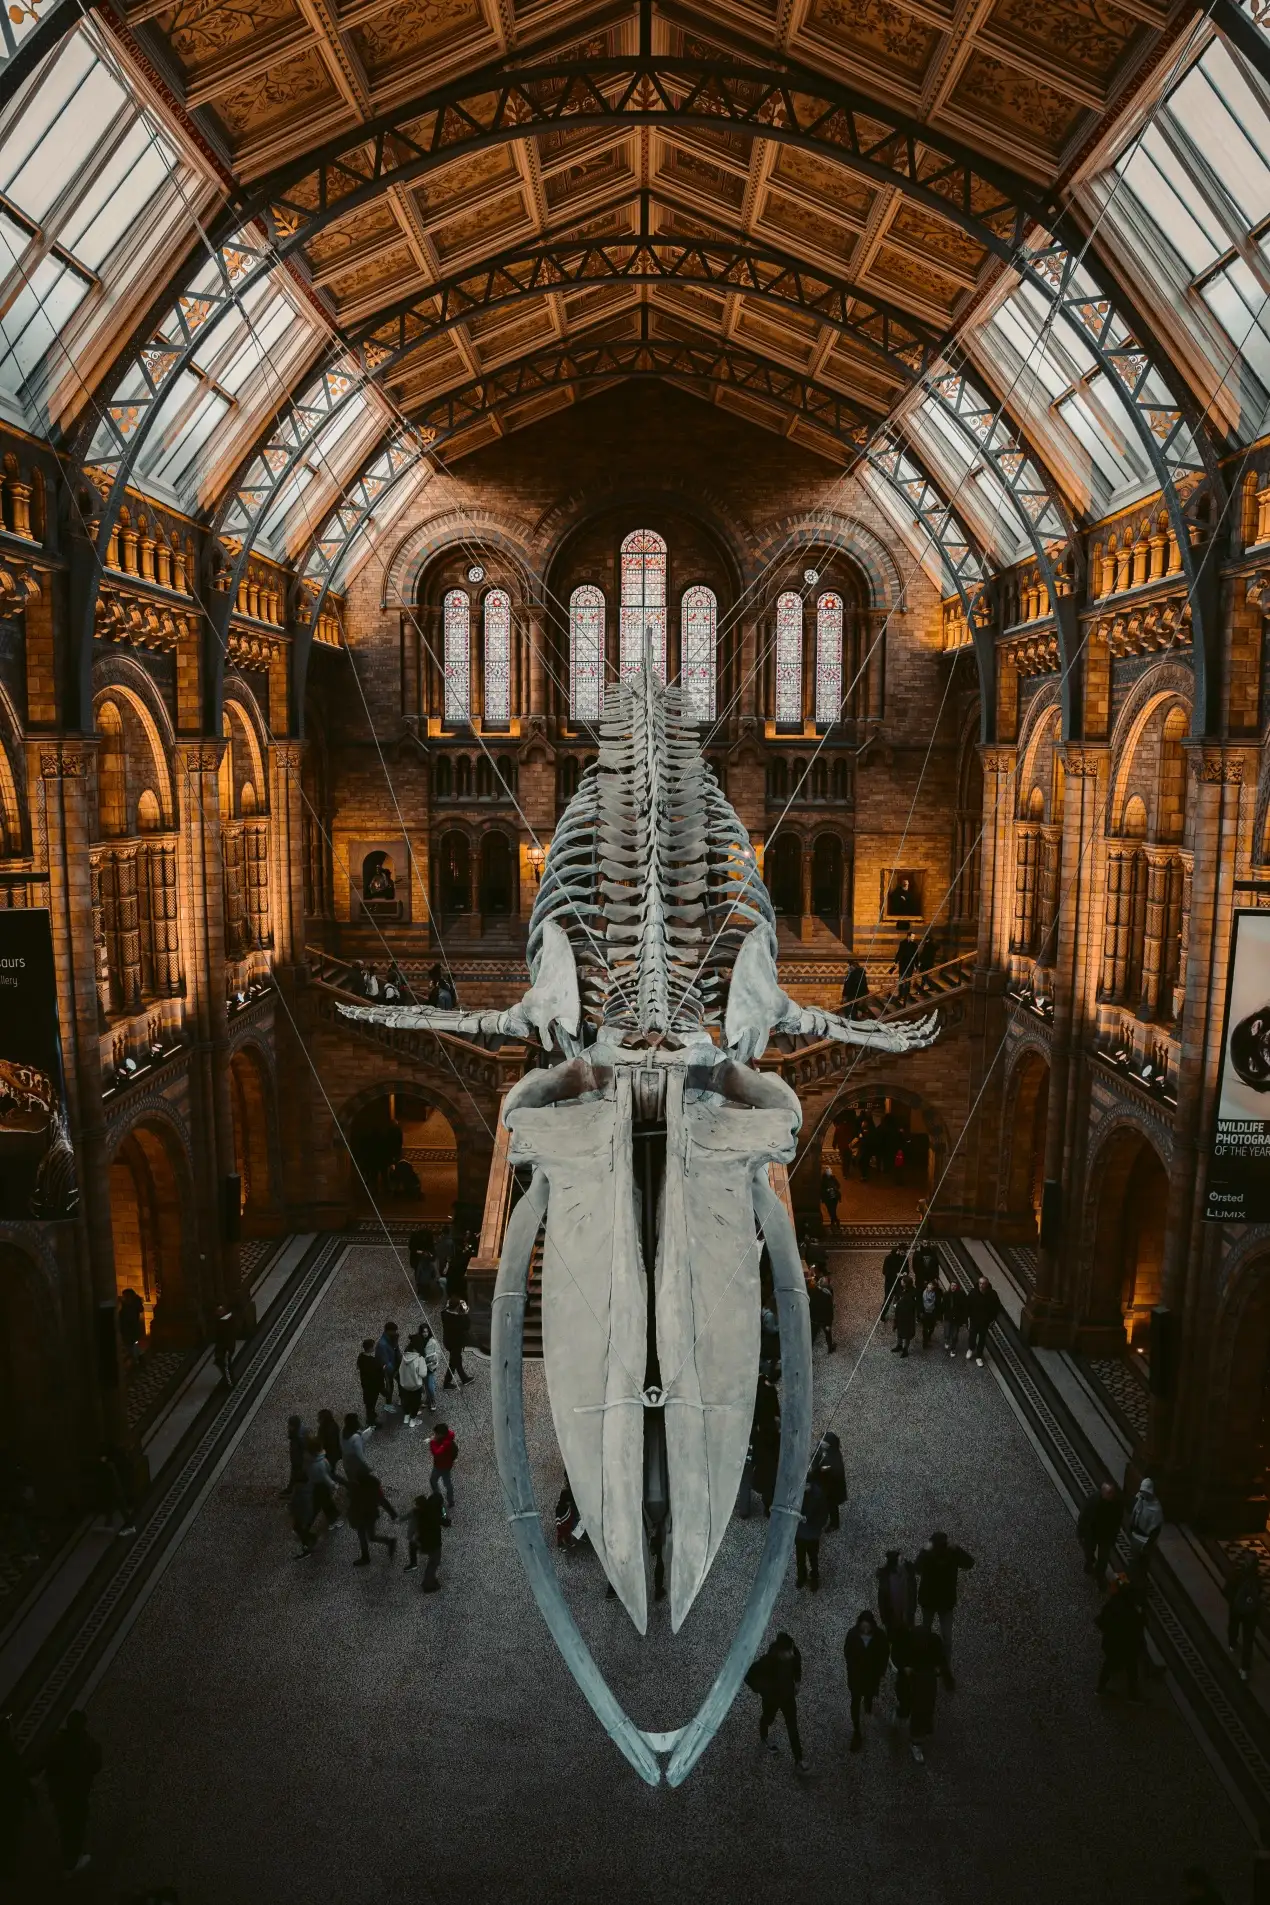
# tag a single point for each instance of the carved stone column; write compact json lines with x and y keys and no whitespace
{"x":996,"y":889}
{"x":202,"y":893}
{"x":1115,"y":956}
{"x":1186,"y":862}
{"x":1151,"y":1004}
{"x":286,"y":816}
{"x":537,"y":661}
{"x":1025,"y":854}
{"x":63,"y":792}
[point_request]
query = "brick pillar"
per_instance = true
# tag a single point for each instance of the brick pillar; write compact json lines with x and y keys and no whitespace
{"x":537,"y":661}
{"x":1115,"y":946}
{"x":1048,"y":1315}
{"x":1151,"y":1004}
{"x":203,"y":934}
{"x":286,"y":850}
{"x":61,"y":777}
{"x":996,"y":879}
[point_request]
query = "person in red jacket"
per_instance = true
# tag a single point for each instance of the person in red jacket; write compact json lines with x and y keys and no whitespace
{"x":445,"y":1453}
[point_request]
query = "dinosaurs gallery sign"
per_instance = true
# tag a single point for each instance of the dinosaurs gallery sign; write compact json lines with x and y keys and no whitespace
{"x":37,"y":1164}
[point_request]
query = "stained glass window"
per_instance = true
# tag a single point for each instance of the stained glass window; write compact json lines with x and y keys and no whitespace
{"x":458,"y":644}
{"x":828,"y":659}
{"x":789,"y":657}
{"x":586,"y":652}
{"x":498,"y":657}
{"x":643,"y":600}
{"x":699,"y":615}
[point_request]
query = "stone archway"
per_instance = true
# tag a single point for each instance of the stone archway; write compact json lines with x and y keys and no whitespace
{"x":251,"y":1104}
{"x":405,"y":1157}
{"x":1130,"y":1197}
{"x":148,"y":1230}
{"x":1023,"y":1149}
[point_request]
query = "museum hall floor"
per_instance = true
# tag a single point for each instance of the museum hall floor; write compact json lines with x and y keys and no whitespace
{"x":303,"y":1732}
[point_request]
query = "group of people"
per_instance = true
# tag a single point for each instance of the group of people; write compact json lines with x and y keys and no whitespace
{"x":395,"y":989}
{"x":909,"y":1635}
{"x":921,"y":1299}
{"x":402,"y":1380}
{"x":914,"y":959}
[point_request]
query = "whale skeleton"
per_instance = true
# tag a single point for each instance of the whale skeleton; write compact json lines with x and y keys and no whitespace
{"x":652,"y":958}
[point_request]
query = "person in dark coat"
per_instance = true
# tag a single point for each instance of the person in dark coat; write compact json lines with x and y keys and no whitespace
{"x":902,"y":965}
{"x":820,"y":1302}
{"x":855,"y":990}
{"x":17,"y":1800}
{"x":810,"y":1530}
{"x":328,"y":1434}
{"x":366,"y":1502}
{"x":1120,"y":1622}
{"x":132,"y":1313}
{"x":1097,"y":1526}
{"x":930,"y":1307}
{"x":867,"y":1653}
{"x":766,"y":1444}
{"x":296,"y":1453}
{"x":830,"y":1192}
{"x":73,"y":1764}
{"x":423,"y":1531}
{"x":776,"y":1677}
{"x":983,"y":1308}
{"x":1246,"y":1599}
{"x":925,"y":1263}
{"x":830,"y":1471}
{"x":371,"y":1378}
{"x":919,"y":1658}
{"x":937,"y":1567}
{"x":454,"y":1328}
{"x":905,"y":1315}
{"x":224,"y":1344}
{"x":892,"y":1270}
{"x":897,"y":1595}
{"x":956,"y":1311}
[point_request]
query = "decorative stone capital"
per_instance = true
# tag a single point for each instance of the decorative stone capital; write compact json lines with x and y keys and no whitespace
{"x":1000,"y":760}
{"x":66,"y":760}
{"x":287,"y":756}
{"x":200,"y":757}
{"x":1083,"y":763}
{"x":1218,"y":766}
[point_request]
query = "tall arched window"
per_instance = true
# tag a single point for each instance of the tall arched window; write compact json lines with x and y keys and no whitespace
{"x":458,"y":646}
{"x":643,"y":601}
{"x":789,"y":657}
{"x":586,"y":652}
{"x":498,"y":657}
{"x":828,"y":659}
{"x":698,"y":622}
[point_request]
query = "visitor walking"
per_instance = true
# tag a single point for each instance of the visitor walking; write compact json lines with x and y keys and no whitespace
{"x":328,"y":1432}
{"x":897,"y":1595}
{"x":810,"y":1530}
{"x":370,"y":1377}
{"x":905,"y":1315}
{"x":444,"y":1451}
{"x":983,"y":1308}
{"x":776,"y":1677}
{"x":830,"y":1192}
{"x":132,"y":1324}
{"x":388,"y":1356}
{"x":224,"y":1345}
{"x":830,"y":1471}
{"x":930,"y":1309}
{"x":1120,"y":1622}
{"x":412,"y":1376}
{"x":820,"y":1303}
{"x":353,"y":1449}
{"x":366,"y":1502}
{"x":937,"y":1568}
{"x":920,"y":1661}
{"x":892,"y":1270}
{"x":1097,"y":1526}
{"x":73,"y":1764}
{"x":423,"y":1530}
{"x":454,"y":1328}
{"x":1146,"y":1518}
{"x":321,"y":1480}
{"x":956,"y":1311}
{"x":867,"y":1653}
{"x":297,"y":1435}
{"x":1246,"y":1598}
{"x":114,"y":1493}
{"x":855,"y":990}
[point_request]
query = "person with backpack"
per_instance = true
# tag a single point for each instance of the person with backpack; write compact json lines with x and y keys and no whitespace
{"x":423,"y":1528}
{"x":867,"y":1653}
{"x":776,"y":1677}
{"x":1246,"y":1598}
{"x":444,"y":1450}
{"x":412,"y":1374}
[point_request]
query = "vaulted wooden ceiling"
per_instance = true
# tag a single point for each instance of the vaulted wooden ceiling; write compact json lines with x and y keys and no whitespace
{"x":1023,"y":83}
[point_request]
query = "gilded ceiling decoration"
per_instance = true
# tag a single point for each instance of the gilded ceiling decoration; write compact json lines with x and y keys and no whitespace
{"x":1016,"y":82}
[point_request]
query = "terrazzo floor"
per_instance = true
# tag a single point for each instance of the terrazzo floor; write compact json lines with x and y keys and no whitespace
{"x":303,"y":1731}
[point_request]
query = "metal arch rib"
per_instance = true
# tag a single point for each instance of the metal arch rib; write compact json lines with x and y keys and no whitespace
{"x":686,"y":1744}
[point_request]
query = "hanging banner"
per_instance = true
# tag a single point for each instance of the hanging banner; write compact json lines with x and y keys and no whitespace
{"x":37,"y":1164}
{"x":1239,"y":1169}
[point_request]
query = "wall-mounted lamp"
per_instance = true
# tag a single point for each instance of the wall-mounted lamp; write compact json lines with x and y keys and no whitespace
{"x":537,"y":860}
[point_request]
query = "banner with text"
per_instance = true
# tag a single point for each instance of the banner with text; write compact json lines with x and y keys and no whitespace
{"x":1239,"y":1169}
{"x":37,"y":1164}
